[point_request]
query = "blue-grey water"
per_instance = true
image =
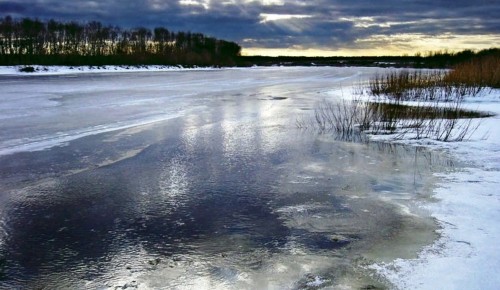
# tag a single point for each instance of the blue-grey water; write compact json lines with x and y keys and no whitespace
{"x":198,"y":180}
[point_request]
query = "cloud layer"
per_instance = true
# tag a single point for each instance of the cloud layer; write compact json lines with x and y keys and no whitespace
{"x":329,"y":25}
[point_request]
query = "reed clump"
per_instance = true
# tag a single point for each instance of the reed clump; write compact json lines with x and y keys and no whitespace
{"x":479,"y":72}
{"x":435,"y":111}
{"x":421,"y":85}
{"x":348,"y":119}
{"x":466,"y":79}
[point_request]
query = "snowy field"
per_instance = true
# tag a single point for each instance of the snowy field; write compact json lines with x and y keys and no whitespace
{"x":465,"y":204}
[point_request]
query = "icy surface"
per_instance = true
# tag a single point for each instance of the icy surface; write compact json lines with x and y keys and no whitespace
{"x":39,"y":111}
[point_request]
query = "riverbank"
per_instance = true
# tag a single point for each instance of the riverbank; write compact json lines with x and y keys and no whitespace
{"x":467,"y":254}
{"x":62,"y":70}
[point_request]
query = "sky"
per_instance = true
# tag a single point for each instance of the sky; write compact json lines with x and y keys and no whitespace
{"x":297,"y":27}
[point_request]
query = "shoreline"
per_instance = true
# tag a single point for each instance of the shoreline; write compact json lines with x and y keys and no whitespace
{"x":41,"y":70}
{"x":465,"y":255}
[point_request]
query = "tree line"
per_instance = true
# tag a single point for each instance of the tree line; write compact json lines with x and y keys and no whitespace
{"x":32,"y":41}
{"x":437,"y":59}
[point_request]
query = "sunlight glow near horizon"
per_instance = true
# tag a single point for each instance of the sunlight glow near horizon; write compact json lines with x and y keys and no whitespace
{"x":383,"y":45}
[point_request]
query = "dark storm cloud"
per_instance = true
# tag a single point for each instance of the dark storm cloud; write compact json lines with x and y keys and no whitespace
{"x":312,"y":23}
{"x":11,"y":7}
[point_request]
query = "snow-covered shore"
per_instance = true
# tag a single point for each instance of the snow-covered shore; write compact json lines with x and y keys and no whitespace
{"x":467,"y":254}
{"x":61,"y":70}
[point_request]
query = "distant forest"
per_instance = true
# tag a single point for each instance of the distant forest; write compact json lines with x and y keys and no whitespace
{"x":438,"y":59}
{"x":31,"y":41}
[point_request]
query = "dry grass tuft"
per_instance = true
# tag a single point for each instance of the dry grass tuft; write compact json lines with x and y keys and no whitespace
{"x":350,"y":120}
{"x":466,"y":79}
{"x":480,"y":72}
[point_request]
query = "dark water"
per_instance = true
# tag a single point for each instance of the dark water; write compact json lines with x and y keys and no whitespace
{"x":230,"y":196}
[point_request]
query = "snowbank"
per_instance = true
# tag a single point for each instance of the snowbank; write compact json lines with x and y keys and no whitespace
{"x":61,"y":70}
{"x":467,"y":255}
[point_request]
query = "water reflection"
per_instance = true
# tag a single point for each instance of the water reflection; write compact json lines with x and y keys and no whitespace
{"x":219,"y":215}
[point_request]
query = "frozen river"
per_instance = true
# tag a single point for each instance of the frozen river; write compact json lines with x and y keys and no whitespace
{"x":198,"y":179}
